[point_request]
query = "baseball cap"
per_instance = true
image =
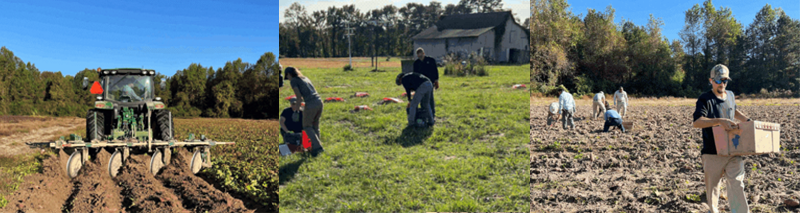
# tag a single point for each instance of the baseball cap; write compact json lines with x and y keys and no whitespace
{"x":293,"y":100}
{"x":719,"y":72}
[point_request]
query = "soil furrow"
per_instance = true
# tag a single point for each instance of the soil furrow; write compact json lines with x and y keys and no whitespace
{"x":142,"y":192}
{"x":197,"y":194}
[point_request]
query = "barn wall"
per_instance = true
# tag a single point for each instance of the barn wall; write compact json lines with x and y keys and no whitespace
{"x":514,"y":37}
{"x":470,"y":45}
{"x":437,"y":48}
{"x":433,"y":48}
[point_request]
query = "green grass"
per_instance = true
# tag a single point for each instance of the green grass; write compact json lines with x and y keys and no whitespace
{"x":474,"y":159}
{"x":13,"y":170}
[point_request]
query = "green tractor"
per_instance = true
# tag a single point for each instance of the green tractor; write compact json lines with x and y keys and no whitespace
{"x":128,"y":118}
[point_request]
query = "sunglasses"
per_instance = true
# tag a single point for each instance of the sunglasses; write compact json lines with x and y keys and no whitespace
{"x":722,"y":81}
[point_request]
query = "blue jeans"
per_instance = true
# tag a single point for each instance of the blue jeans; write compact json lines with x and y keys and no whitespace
{"x":617,"y":122}
{"x":433,"y":105}
{"x":423,"y":94}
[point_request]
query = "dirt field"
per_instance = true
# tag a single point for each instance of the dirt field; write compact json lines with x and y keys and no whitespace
{"x":656,"y":167}
{"x":16,"y":130}
{"x":135,"y":189}
{"x":174,"y":189}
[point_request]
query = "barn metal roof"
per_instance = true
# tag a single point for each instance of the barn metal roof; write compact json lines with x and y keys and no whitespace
{"x":434,"y":33}
{"x":465,"y":25}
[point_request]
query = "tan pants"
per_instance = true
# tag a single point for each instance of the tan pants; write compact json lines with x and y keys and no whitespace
{"x":311,"y":115}
{"x":597,"y":107}
{"x":732,"y":167}
{"x":622,"y":108}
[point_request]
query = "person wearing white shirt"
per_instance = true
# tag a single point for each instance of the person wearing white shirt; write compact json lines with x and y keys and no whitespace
{"x":621,"y":101}
{"x":567,"y":106}
{"x":552,"y":114}
{"x":598,"y":106}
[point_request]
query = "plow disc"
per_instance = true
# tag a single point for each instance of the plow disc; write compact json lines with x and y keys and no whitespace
{"x":74,"y":163}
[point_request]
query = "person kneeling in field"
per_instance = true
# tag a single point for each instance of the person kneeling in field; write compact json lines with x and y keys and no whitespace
{"x":292,"y":122}
{"x":552,"y":114}
{"x":718,"y":107}
{"x":423,"y":88}
{"x":612,"y":119}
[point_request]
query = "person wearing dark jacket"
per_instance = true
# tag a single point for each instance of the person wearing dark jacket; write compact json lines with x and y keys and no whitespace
{"x":427,"y":67}
{"x":423,"y":89}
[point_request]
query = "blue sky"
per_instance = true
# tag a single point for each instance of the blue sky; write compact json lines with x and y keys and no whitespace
{"x":163,"y":35}
{"x":672,"y":12}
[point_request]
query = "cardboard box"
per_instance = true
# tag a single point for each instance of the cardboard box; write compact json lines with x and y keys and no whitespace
{"x":628,"y":125}
{"x":751,"y":138}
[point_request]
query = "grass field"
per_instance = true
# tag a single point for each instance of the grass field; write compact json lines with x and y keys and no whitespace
{"x":474,"y":159}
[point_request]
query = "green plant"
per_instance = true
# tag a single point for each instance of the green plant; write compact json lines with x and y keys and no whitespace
{"x":347,"y":68}
{"x":693,"y":198}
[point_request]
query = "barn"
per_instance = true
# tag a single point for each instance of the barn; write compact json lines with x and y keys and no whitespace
{"x":495,"y":35}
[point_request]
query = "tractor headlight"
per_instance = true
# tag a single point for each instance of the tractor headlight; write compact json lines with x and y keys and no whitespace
{"x":152,"y":72}
{"x":99,"y":97}
{"x":114,"y":72}
{"x":105,"y":72}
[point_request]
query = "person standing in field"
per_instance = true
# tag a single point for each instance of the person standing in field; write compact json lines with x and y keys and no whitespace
{"x":621,"y":101}
{"x":427,"y":66}
{"x":280,"y":75}
{"x":552,"y":114}
{"x":718,"y":107}
{"x":305,"y":92}
{"x":598,"y":107}
{"x":567,"y":105}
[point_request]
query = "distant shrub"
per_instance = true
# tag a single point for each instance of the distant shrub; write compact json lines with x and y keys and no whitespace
{"x":465,"y":65}
{"x":348,"y":68}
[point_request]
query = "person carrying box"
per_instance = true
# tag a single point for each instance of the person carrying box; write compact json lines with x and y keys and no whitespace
{"x":718,"y":107}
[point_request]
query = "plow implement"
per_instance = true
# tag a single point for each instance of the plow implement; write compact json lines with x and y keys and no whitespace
{"x":160,"y":151}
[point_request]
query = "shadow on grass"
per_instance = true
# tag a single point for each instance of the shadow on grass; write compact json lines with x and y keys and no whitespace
{"x":411,"y":136}
{"x":286,"y":172}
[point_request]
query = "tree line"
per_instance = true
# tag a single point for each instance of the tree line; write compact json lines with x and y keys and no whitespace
{"x":595,"y":54}
{"x":236,"y":90}
{"x":322,"y":33}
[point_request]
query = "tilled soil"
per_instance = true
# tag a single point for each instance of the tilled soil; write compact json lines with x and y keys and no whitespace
{"x":135,"y":189}
{"x":197,"y":195}
{"x":655,"y":167}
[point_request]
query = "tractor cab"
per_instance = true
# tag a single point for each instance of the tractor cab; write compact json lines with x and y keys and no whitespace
{"x":126,"y":107}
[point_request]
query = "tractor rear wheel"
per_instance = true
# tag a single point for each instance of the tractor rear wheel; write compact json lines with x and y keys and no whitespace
{"x":95,"y":125}
{"x":163,"y":129}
